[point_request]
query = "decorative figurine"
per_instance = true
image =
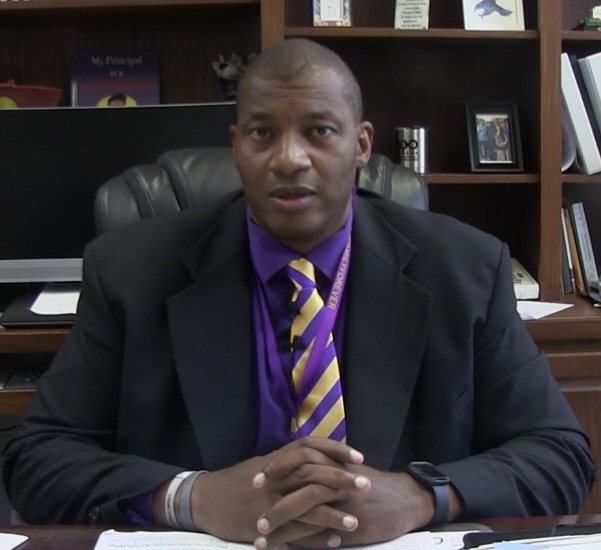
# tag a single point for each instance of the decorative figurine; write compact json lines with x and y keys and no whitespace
{"x":229,"y":72}
{"x":592,"y":20}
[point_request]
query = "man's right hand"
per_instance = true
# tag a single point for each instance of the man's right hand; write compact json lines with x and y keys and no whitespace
{"x":227,"y":504}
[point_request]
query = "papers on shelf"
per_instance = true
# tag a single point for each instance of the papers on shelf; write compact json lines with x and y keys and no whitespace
{"x":529,"y":310}
{"x":176,"y":540}
{"x":57,"y":299}
{"x":9,"y":541}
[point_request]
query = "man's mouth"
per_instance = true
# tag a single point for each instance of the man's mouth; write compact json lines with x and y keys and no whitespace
{"x":292,"y":198}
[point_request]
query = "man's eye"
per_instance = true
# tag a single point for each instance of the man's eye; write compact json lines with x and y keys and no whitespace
{"x":260,"y":133}
{"x":323,"y":131}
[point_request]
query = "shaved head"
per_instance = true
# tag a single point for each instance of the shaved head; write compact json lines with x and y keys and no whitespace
{"x":298,"y":57}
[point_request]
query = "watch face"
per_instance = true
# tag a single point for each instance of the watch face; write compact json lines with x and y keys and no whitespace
{"x":426,"y":473}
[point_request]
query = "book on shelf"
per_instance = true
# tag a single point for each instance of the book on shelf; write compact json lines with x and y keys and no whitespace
{"x":568,"y":141}
{"x":584,"y":246}
{"x":587,"y":99}
{"x":120,"y":78}
{"x":590,"y":68}
{"x":589,"y":154}
{"x":579,"y":285}
{"x":525,"y":285}
{"x":567,"y":268}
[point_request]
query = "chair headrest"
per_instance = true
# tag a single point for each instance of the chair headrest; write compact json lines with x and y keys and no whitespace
{"x":184,"y":178}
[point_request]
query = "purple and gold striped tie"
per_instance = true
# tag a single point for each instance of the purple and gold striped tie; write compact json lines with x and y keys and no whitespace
{"x":315,"y":374}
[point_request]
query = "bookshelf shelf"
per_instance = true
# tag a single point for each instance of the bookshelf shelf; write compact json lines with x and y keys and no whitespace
{"x":580,"y":36}
{"x":14,"y":402}
{"x":582,"y":178}
{"x":37,"y":340}
{"x":384,"y":32}
{"x":478,"y":179}
{"x":582,"y":321}
{"x":88,"y":4}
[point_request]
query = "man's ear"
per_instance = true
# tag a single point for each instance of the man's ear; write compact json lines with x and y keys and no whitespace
{"x":365,"y":137}
{"x":233,"y":134}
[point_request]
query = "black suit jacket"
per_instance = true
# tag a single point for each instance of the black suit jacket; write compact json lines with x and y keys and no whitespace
{"x":158,"y":373}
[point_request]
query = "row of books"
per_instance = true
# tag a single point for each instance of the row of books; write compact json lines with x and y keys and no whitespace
{"x":581,"y":94}
{"x":579,"y":272}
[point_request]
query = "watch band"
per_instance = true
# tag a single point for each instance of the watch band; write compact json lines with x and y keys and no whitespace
{"x":441,"y":503}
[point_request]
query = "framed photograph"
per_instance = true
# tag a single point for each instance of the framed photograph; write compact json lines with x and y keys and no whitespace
{"x":493,"y":15}
{"x":494,"y":137}
{"x":412,"y":14}
{"x":331,"y":13}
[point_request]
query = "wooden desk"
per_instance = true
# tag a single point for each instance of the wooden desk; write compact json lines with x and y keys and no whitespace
{"x":84,"y":537}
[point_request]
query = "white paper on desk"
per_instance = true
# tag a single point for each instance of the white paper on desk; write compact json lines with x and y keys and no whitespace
{"x":570,"y":542}
{"x":8,"y":541}
{"x":181,"y":540}
{"x":56,"y":300}
{"x":530,"y":310}
{"x":163,"y":540}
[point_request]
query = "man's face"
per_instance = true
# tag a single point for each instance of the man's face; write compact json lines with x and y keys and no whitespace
{"x":297,"y":147}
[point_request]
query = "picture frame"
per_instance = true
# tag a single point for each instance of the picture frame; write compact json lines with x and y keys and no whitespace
{"x":494,"y":137}
{"x":493,"y":15}
{"x":332,"y":13}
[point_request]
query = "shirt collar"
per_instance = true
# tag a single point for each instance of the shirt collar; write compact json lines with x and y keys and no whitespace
{"x":270,"y":256}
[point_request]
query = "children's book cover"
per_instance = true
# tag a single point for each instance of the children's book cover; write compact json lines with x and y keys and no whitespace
{"x":111,"y":79}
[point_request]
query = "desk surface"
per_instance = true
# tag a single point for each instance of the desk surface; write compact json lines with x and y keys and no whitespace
{"x":84,"y":537}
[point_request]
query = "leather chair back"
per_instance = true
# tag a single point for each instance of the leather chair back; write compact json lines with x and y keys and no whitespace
{"x":185,"y":178}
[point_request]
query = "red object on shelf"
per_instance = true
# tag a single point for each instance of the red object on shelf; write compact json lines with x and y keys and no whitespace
{"x":15,"y":96}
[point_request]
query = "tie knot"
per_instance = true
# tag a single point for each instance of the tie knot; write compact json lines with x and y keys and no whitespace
{"x":302,"y":273}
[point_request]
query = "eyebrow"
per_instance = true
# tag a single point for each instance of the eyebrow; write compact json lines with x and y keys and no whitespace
{"x":314,"y":115}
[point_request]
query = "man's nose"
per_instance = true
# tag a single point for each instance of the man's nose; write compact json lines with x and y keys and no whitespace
{"x":290,"y":155}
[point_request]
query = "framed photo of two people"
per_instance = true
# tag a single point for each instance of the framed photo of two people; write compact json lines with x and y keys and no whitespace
{"x":494,"y":137}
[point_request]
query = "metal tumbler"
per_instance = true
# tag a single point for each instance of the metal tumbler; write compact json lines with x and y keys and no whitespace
{"x":412,"y":143}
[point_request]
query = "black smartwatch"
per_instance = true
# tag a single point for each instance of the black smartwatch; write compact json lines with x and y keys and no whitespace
{"x":428,"y":476}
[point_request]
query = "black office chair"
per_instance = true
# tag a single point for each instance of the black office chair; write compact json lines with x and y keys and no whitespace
{"x":185,"y":178}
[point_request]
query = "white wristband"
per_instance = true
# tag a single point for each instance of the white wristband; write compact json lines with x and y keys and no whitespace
{"x":170,"y":499}
{"x":185,"y":501}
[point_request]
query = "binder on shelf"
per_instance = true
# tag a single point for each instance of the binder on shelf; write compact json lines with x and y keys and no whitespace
{"x":590,"y":67}
{"x":588,"y":152}
{"x":525,"y":286}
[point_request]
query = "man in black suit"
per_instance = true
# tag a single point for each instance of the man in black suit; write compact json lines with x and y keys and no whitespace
{"x":177,"y":361}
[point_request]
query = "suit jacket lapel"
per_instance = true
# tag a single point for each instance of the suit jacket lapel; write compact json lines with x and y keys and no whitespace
{"x":210,"y":328}
{"x":386,"y":327}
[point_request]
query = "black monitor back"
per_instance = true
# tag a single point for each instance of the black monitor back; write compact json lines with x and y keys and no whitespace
{"x":52,"y":161}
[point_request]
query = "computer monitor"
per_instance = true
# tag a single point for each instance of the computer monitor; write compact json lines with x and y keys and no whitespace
{"x":52,"y":161}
